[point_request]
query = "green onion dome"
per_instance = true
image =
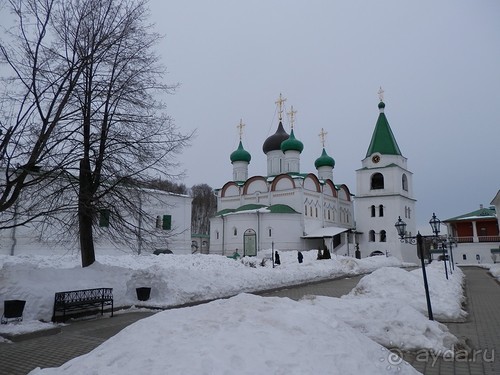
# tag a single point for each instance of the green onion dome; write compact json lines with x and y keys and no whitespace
{"x":240,"y":155}
{"x":273,"y":142}
{"x":324,"y":161}
{"x":292,"y":143}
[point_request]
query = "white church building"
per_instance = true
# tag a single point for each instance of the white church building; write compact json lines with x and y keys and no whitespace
{"x":289,"y":209}
{"x":285,"y":209}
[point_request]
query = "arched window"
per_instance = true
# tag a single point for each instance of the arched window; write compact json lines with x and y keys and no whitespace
{"x":404,"y":182}
{"x":270,"y":232}
{"x":305,"y":210}
{"x":382,"y":236}
{"x":373,"y":210}
{"x":409,"y":212}
{"x":235,"y":231}
{"x":217,"y":234}
{"x":377,"y":181}
{"x":316,"y":208}
{"x":328,"y":214}
{"x":310,"y":211}
{"x":371,"y":236}
{"x":381,"y":210}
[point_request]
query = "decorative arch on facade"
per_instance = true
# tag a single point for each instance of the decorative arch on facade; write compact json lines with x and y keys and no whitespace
{"x":255,"y":184}
{"x":230,"y":189}
{"x":312,"y":183}
{"x":282,"y":182}
{"x":344,"y":193}
{"x":329,"y":189}
{"x":377,"y":181}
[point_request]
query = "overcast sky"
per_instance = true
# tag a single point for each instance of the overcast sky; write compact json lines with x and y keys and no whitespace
{"x":437,"y":61}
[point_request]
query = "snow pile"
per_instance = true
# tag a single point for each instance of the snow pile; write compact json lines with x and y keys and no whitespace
{"x":174,"y":279}
{"x":400,"y":287}
{"x":495,"y":271}
{"x":245,"y":334}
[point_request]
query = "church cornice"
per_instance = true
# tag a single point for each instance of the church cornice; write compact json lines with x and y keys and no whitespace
{"x":392,"y":165}
{"x":357,"y":197}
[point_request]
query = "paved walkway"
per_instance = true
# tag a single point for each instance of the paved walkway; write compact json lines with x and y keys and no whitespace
{"x":75,"y":339}
{"x":481,"y":332}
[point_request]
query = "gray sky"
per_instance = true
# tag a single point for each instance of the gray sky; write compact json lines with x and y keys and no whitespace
{"x":438,"y":62}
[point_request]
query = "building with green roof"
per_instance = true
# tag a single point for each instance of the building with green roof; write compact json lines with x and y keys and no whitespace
{"x":285,"y":208}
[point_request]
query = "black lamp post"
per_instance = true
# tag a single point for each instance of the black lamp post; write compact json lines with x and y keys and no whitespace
{"x":401,"y":228}
{"x":435,"y":223}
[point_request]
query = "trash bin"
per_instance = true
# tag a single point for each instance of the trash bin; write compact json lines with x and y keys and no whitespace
{"x":13,"y":309}
{"x":143,"y":293}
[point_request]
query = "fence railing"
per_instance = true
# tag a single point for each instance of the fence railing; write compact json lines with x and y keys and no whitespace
{"x":470,"y":239}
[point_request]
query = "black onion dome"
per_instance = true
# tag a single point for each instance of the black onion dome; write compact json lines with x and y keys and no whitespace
{"x":273,"y":142}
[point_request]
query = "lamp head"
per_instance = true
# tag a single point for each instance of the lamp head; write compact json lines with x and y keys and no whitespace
{"x":400,"y":227}
{"x":435,"y":223}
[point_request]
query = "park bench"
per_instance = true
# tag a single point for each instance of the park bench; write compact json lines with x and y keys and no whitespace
{"x":82,"y":301}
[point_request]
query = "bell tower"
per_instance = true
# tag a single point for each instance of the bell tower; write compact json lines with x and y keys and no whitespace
{"x":384,"y":192}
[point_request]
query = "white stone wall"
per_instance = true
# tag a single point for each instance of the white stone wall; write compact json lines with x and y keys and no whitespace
{"x":48,"y":239}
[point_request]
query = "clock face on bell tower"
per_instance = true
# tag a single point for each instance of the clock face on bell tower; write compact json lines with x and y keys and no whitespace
{"x":375,"y":159}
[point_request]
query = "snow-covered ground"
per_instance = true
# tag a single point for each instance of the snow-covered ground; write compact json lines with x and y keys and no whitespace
{"x":245,"y":334}
{"x":495,"y":270}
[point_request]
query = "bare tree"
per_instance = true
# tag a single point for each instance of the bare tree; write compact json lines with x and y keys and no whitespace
{"x":203,"y":208}
{"x":34,"y":104}
{"x":115,"y":134}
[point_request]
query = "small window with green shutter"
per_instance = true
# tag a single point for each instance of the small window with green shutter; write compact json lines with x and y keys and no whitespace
{"x":167,"y":222}
{"x":104,"y":218}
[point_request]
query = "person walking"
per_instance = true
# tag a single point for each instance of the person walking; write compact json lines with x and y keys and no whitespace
{"x":300,"y":257}
{"x":277,"y":258}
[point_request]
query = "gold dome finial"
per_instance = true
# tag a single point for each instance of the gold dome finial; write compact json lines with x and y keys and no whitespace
{"x":240,"y":128}
{"x":280,"y":102}
{"x":322,"y":136}
{"x":381,"y":94}
{"x":291,"y":116}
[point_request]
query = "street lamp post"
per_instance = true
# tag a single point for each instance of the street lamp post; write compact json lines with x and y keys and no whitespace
{"x":450,"y":243}
{"x":401,"y":228}
{"x":435,"y":223}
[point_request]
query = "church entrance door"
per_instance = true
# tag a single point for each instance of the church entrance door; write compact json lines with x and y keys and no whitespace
{"x":250,"y":243}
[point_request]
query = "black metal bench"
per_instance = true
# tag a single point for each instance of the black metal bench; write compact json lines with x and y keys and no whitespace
{"x":81,"y":300}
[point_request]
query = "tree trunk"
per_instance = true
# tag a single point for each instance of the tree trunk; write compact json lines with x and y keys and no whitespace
{"x":85,"y":214}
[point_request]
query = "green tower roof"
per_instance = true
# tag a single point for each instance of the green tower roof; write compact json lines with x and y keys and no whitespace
{"x":383,"y":140}
{"x":324,"y":160}
{"x":292,"y":143}
{"x":240,"y":154}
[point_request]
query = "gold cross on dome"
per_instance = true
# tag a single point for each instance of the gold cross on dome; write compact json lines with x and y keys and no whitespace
{"x":381,"y":94}
{"x":280,"y":102}
{"x":322,"y":136}
{"x":240,"y":128}
{"x":291,"y":115}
